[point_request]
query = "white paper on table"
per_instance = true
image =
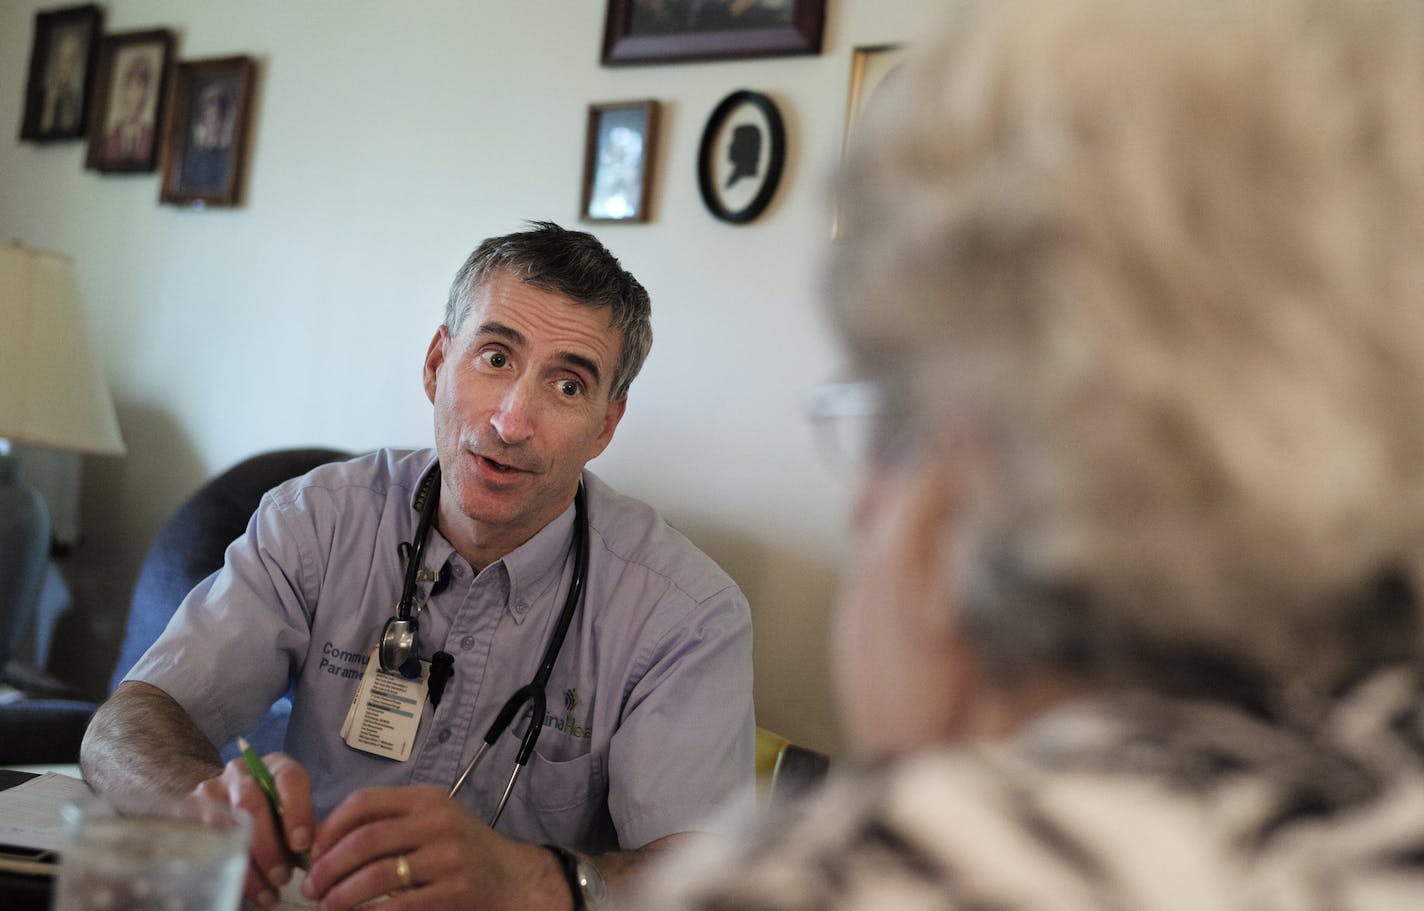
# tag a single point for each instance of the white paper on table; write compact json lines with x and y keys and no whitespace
{"x":30,"y":812}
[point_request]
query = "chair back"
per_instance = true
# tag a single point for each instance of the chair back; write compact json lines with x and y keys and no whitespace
{"x":190,"y":545}
{"x":784,"y":769}
{"x":188,"y":548}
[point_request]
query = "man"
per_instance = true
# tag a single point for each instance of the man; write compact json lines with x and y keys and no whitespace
{"x":650,"y":721}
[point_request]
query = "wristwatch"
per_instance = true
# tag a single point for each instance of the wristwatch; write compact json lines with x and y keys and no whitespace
{"x":585,"y":882}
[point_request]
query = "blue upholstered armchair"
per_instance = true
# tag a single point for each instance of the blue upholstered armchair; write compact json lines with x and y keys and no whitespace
{"x":187,"y":549}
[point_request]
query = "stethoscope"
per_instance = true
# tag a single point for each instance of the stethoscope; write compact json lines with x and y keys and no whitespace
{"x":400,"y":640}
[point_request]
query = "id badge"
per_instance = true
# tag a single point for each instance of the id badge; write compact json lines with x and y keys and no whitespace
{"x":386,"y":710}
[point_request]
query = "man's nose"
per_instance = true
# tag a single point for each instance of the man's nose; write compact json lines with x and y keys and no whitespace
{"x":513,"y":417}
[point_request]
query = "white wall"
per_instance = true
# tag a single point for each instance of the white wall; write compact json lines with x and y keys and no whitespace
{"x":389,"y":138}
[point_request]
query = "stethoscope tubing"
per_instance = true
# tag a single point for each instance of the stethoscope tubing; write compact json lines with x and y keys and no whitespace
{"x":533,"y":693}
{"x":399,"y":640}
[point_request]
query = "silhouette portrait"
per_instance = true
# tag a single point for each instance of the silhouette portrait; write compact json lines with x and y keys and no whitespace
{"x":744,"y":153}
{"x":741,"y":157}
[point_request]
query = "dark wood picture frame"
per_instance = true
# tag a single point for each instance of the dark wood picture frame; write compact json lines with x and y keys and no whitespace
{"x":204,"y":155}
{"x":619,"y":152}
{"x":58,"y":92}
{"x":743,"y":147}
{"x":678,"y":30}
{"x":126,"y":128}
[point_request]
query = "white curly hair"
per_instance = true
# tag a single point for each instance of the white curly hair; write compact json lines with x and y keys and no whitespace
{"x":1165,"y":259}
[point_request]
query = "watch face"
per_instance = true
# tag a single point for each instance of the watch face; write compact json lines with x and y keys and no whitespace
{"x":594,"y":891}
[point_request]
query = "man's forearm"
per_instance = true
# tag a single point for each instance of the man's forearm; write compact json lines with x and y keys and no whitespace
{"x":620,"y":867}
{"x":141,"y":743}
{"x":545,"y":888}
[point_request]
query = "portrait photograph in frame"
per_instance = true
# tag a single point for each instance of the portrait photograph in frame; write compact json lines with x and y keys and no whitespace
{"x":62,"y":61}
{"x":130,"y":91}
{"x":666,"y":31}
{"x":741,"y":156}
{"x":204,"y":152}
{"x":618,"y":160}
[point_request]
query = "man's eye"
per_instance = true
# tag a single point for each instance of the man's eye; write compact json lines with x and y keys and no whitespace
{"x":495,"y":358}
{"x":570,"y":387}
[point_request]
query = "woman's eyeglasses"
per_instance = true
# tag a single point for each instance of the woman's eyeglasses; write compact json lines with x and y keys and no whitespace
{"x":860,"y":422}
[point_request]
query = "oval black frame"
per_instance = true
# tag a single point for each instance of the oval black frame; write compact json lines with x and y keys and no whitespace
{"x":774,"y":167}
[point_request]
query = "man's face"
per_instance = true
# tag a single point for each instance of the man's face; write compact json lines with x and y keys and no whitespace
{"x":521,"y":395}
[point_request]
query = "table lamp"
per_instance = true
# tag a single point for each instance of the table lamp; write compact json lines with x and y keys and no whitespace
{"x":53,"y":395}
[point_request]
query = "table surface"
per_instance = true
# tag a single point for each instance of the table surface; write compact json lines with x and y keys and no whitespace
{"x":19,"y":892}
{"x":70,"y":769}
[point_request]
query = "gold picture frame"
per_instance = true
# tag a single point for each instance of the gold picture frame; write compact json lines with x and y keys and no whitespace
{"x":869,"y":67}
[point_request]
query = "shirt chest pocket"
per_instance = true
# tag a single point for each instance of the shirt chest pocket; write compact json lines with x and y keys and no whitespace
{"x":563,"y":785}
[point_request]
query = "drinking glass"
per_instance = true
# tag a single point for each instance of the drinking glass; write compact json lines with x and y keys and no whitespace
{"x":178,"y":855}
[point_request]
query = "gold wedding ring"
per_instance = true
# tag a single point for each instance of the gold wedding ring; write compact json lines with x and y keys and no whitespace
{"x":403,"y":872}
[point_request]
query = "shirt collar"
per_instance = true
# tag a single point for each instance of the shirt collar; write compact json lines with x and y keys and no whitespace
{"x":528,"y":570}
{"x":537,"y":564}
{"x":415,"y":495}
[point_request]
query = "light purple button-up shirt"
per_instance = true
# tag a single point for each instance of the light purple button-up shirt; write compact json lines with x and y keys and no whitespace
{"x":649,"y":724}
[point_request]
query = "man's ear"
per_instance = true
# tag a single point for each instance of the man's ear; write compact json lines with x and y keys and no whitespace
{"x":434,"y":357}
{"x":611,"y":417}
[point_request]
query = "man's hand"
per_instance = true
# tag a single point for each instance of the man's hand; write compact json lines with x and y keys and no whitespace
{"x":270,"y":862}
{"x":452,"y":858}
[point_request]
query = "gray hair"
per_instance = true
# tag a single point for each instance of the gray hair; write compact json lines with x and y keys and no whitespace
{"x":571,"y":263}
{"x":1163,"y":259}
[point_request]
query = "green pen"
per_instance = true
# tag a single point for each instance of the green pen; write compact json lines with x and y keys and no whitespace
{"x":263,"y":777}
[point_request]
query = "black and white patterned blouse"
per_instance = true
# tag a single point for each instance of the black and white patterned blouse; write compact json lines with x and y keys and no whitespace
{"x":1131,"y":803}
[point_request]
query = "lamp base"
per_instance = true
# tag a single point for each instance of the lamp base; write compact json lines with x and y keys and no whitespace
{"x":24,"y":552}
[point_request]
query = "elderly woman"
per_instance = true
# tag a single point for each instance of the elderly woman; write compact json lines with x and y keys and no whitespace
{"x":1136,"y":291}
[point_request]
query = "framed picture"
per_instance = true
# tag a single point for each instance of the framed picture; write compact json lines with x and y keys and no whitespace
{"x":130,"y":89}
{"x":869,"y":67}
{"x":618,"y":160}
{"x":61,"y":69}
{"x":662,"y":31}
{"x":741,"y":157}
{"x":207,"y":132}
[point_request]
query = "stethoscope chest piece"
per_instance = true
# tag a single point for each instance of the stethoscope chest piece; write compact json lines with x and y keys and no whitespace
{"x":399,"y":648}
{"x":400,"y":641}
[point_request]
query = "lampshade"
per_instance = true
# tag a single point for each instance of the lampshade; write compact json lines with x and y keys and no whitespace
{"x":52,"y":391}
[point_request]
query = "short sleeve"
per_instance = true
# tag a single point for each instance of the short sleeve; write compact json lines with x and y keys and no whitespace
{"x":236,"y":641}
{"x":686,"y":743}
